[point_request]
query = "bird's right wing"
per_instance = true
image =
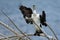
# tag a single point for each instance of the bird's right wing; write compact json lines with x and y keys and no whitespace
{"x":43,"y":18}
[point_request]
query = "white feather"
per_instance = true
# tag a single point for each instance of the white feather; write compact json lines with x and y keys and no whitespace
{"x":36,"y":18}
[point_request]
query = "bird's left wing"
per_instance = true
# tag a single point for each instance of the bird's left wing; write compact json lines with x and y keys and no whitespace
{"x":27,"y":12}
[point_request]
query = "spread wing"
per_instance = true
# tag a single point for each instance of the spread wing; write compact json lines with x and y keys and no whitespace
{"x":43,"y":18}
{"x":27,"y":12}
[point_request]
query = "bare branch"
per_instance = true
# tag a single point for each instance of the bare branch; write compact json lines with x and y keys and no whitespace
{"x":2,"y":35}
{"x":53,"y":32}
{"x":15,"y":25}
{"x":16,"y":36}
{"x":9,"y":28}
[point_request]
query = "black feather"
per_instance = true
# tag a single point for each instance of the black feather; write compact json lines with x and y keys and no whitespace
{"x":43,"y":18}
{"x":27,"y":12}
{"x":37,"y":33}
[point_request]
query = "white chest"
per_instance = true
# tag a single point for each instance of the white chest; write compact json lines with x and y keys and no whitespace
{"x":36,"y":18}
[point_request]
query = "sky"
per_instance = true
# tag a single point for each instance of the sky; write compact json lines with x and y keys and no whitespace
{"x":11,"y":8}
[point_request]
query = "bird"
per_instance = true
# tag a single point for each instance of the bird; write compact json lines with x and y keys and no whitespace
{"x":40,"y":20}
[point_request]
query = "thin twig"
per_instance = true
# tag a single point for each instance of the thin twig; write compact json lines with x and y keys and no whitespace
{"x":4,"y":36}
{"x":16,"y":36}
{"x":9,"y":28}
{"x":15,"y":25}
{"x":52,"y":32}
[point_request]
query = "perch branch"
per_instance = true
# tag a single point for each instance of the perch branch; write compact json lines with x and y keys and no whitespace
{"x":17,"y":37}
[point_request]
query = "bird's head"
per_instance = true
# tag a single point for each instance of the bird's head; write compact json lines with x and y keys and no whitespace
{"x":22,"y":7}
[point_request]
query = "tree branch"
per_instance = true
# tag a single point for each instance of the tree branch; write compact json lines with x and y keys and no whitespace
{"x":16,"y":36}
{"x":9,"y":28}
{"x":15,"y":25}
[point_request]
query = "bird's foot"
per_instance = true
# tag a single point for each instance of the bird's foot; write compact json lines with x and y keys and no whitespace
{"x":37,"y":33}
